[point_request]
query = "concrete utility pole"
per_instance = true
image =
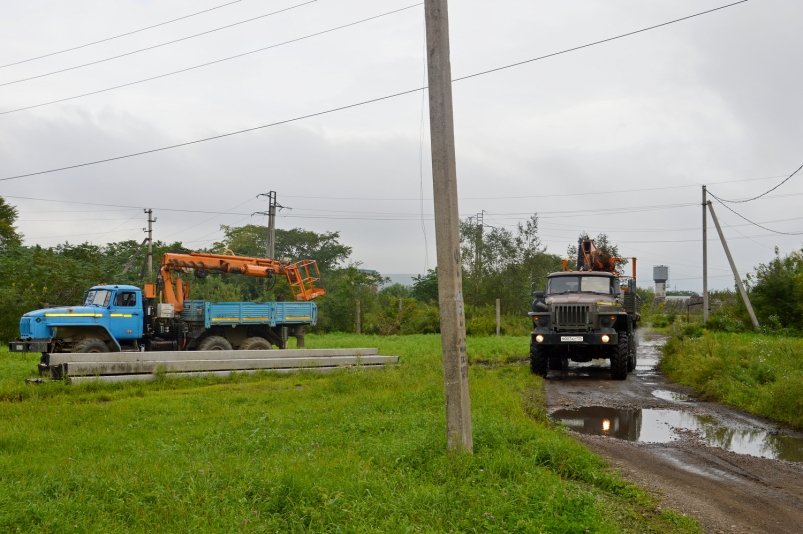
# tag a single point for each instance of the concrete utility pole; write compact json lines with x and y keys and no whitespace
{"x":149,"y":231}
{"x":358,"y":316}
{"x":705,"y":257}
{"x":447,"y":232}
{"x":736,"y":276}
{"x":270,"y":242}
{"x":498,"y":317}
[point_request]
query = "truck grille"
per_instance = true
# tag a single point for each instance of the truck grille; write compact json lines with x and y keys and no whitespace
{"x":571,"y":317}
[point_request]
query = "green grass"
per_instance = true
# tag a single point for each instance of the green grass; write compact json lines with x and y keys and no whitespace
{"x":757,"y":373}
{"x":353,"y":451}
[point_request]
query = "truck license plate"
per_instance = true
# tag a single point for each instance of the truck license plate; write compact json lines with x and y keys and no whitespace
{"x":571,"y":338}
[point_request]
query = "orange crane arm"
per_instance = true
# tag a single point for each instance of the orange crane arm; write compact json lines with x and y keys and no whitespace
{"x":301,"y":275}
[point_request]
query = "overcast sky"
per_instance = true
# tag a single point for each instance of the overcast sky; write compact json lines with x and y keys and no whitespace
{"x":615,"y":138}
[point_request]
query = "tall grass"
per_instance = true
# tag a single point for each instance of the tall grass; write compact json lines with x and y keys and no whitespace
{"x":754,"y":372}
{"x":353,"y":451}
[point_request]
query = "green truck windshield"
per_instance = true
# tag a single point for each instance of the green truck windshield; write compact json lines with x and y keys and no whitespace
{"x":584,"y":284}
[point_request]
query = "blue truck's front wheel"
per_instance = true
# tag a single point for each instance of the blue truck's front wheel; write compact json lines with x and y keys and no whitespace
{"x":90,"y":344}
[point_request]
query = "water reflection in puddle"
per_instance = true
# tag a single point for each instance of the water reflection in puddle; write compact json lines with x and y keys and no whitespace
{"x":663,"y":426}
{"x":670,"y":396}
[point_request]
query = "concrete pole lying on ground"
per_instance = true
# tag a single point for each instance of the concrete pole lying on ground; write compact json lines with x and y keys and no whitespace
{"x":447,"y":233}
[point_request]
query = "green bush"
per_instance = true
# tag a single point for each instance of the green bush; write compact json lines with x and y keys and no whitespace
{"x":753,"y":372}
{"x":662,"y":320}
{"x":692,"y":330}
{"x":725,"y":322}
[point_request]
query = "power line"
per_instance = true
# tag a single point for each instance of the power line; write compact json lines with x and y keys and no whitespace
{"x":601,"y":41}
{"x":380,"y":215}
{"x":347,"y":106}
{"x":220,"y":136}
{"x":209,"y":63}
{"x":49,"y":236}
{"x":132,"y":32}
{"x":496,"y":216}
{"x":762,"y":194}
{"x":548,"y":195}
{"x":74,"y":67}
{"x":752,"y":222}
{"x":121,"y":206}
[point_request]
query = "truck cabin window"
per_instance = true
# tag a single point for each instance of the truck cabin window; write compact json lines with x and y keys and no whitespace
{"x":126,"y":298}
{"x":585,"y":284}
{"x":98,"y":297}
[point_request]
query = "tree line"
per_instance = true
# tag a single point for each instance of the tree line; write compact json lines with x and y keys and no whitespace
{"x":497,"y":264}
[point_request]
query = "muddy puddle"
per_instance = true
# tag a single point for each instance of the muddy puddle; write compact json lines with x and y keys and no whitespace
{"x":663,"y":426}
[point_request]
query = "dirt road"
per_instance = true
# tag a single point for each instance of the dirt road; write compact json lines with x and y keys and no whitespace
{"x":730,"y":471}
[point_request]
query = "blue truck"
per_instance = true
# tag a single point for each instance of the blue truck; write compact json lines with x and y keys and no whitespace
{"x":162,"y":317}
{"x":120,"y":318}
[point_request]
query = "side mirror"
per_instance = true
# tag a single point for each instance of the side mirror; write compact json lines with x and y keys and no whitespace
{"x":539,"y":301}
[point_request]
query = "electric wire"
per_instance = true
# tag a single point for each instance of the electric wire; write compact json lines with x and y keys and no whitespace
{"x":380,"y":215}
{"x":214,"y":62}
{"x":403,"y":215}
{"x":132,"y":32}
{"x":751,"y":222}
{"x":347,"y":106}
{"x":548,"y":195}
{"x":762,"y":194}
{"x":174,"y":41}
{"x":601,"y":41}
{"x":417,"y":199}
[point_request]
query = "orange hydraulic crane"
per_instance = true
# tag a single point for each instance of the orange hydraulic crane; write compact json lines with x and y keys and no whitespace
{"x":591,"y":258}
{"x":301,"y":275}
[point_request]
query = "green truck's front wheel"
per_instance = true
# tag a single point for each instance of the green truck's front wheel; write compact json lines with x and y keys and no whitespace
{"x":539,"y":362}
{"x":620,"y":357}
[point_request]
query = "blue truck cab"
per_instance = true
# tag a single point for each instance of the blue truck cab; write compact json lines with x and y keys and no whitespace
{"x":112,"y":313}
{"x":116,"y":318}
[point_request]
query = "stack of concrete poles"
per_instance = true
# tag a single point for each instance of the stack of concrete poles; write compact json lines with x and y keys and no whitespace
{"x":129,"y":366}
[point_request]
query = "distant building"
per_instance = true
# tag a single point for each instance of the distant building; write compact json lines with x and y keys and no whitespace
{"x":660,"y":274}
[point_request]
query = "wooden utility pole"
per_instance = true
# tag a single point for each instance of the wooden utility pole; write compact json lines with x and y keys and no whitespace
{"x":447,"y":232}
{"x":705,"y":257}
{"x":736,"y":276}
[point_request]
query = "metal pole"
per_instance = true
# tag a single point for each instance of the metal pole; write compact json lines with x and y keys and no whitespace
{"x":705,"y":258}
{"x":270,"y":238}
{"x":447,"y":232}
{"x":151,"y":220}
{"x":736,"y":276}
{"x":272,"y":224}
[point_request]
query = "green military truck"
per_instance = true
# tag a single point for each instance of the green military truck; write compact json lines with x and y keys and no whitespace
{"x":587,"y":314}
